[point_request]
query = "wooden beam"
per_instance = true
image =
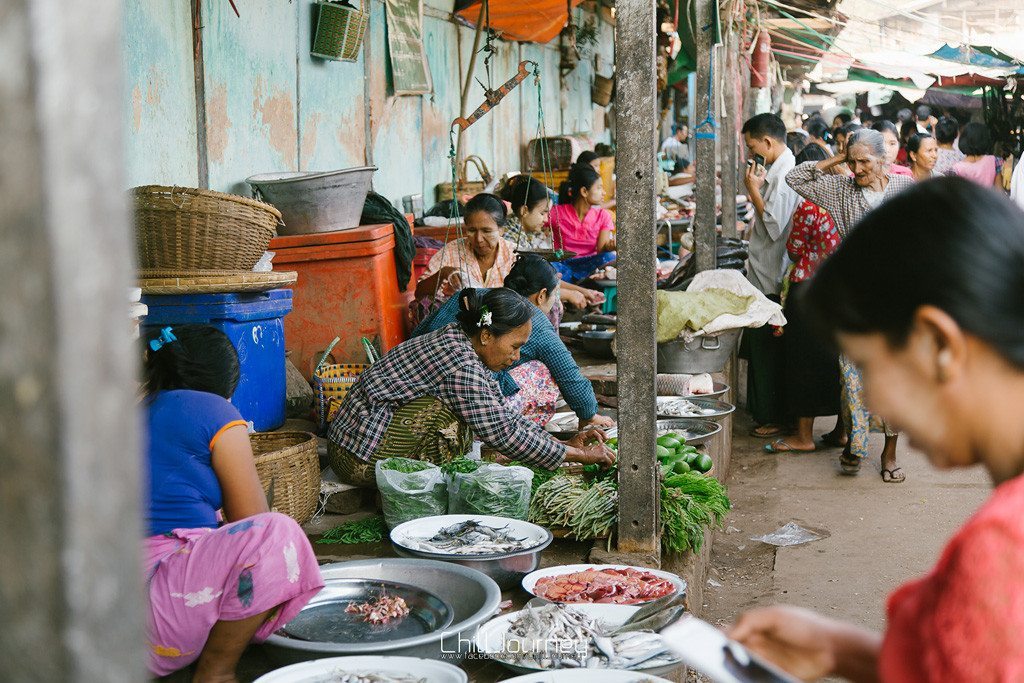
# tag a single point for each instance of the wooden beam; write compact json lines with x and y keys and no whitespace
{"x":731,"y":115}
{"x":71,"y":577}
{"x":636,"y":174}
{"x":704,"y":188}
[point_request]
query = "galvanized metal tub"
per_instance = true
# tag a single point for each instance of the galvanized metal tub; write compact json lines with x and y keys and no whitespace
{"x":473,"y":596}
{"x":315,"y":201}
{"x":697,"y":356}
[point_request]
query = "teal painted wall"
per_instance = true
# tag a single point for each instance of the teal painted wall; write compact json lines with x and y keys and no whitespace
{"x":269,"y":106}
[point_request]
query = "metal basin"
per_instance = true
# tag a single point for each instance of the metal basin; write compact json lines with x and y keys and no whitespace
{"x":693,"y":431}
{"x":699,"y":355}
{"x":315,"y":201}
{"x":472,"y":596}
{"x":599,"y":344}
{"x":711,"y":409}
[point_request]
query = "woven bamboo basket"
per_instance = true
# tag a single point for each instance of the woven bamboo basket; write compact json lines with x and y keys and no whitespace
{"x":288,"y":462}
{"x":184,"y":228}
{"x":601,"y":91}
{"x":463,"y":185}
{"x":339,"y":31}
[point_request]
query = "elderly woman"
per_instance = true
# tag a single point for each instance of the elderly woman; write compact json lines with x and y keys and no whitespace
{"x":545,"y":367}
{"x":922,"y":152}
{"x":430,"y":396}
{"x":847,"y":200}
{"x":938,"y":330}
{"x":480,"y":259}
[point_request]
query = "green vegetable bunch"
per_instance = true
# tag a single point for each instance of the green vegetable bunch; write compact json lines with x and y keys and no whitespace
{"x":540,"y":475}
{"x":491,"y":489}
{"x":369,"y":530}
{"x":460,"y":466}
{"x":406,"y":465}
{"x":690,"y":503}
{"x":587,"y":510}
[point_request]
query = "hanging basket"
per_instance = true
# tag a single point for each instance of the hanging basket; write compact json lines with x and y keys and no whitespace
{"x":463,"y":184}
{"x":601,"y":91}
{"x":339,"y":31}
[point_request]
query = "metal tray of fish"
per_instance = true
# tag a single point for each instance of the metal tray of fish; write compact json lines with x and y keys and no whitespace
{"x":325,"y":618}
{"x":573,"y":636}
{"x":692,"y":407}
{"x":587,"y":676}
{"x":367,"y":669}
{"x":417,"y":535}
{"x":693,"y":431}
{"x":530,"y":580}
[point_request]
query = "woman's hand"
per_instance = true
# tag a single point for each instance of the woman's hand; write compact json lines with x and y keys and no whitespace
{"x":593,"y":297}
{"x":602,"y":421}
{"x":808,"y":645}
{"x":586,"y":437}
{"x":574,"y":298}
{"x":594,"y":454}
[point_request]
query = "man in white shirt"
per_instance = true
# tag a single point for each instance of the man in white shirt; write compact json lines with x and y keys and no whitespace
{"x":674,"y":147}
{"x":774,"y":204}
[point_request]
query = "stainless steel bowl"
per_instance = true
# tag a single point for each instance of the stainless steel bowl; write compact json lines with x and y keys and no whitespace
{"x":507,"y":569}
{"x":473,"y":596}
{"x":711,"y":409}
{"x":694,"y":431}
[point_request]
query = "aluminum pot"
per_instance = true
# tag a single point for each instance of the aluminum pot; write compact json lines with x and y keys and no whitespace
{"x":697,"y":356}
{"x":315,"y":201}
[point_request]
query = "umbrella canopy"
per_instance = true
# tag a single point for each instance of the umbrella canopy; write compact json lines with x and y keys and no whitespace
{"x":532,"y":21}
{"x":979,"y":55}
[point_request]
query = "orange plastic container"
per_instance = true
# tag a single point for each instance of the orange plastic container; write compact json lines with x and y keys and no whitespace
{"x":347,"y":288}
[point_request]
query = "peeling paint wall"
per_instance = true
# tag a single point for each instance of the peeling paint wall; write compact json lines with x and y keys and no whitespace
{"x":268,"y":106}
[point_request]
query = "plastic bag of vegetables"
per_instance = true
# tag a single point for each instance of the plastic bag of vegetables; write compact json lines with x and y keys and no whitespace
{"x":491,"y":489}
{"x":410,"y":489}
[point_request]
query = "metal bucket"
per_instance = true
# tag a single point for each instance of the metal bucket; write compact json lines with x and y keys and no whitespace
{"x":699,"y":355}
{"x":315,"y":201}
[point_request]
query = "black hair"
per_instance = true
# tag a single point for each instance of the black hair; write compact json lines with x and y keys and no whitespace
{"x":490,"y":204}
{"x":796,"y":141}
{"x":811,"y":152}
{"x":848,"y":128}
{"x":581,"y":177}
{"x":530,"y":274}
{"x":682,"y":163}
{"x":947,"y":129}
{"x":508,"y":310}
{"x":843,"y":116}
{"x":907,"y":129}
{"x":904,"y":115}
{"x":923,"y":112}
{"x":765,"y":125}
{"x":886,"y":126}
{"x":200,"y":358}
{"x":914,"y":143}
{"x":960,"y":248}
{"x":524,"y":190}
{"x":975,"y":139}
{"x":587,"y":157}
{"x":817,"y":128}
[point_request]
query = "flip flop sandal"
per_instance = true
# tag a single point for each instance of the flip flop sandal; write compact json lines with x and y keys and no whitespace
{"x":894,"y":476}
{"x":781,"y":446}
{"x":849,"y":465}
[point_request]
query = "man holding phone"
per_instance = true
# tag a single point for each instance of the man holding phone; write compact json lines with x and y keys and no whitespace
{"x":774,"y":204}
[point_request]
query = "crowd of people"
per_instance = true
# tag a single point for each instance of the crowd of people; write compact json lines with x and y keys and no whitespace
{"x":808,"y":192}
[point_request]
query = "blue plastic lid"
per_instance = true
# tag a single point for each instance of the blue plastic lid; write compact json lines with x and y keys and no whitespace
{"x":202,"y":308}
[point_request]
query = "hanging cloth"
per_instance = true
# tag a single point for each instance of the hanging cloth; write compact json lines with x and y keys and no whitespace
{"x":378,"y":209}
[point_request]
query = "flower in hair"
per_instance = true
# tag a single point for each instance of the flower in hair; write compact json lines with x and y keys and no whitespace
{"x":486,"y":318}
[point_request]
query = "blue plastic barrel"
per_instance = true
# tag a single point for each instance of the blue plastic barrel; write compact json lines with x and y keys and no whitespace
{"x":255,"y":325}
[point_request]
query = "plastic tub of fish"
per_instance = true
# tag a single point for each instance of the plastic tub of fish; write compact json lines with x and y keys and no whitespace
{"x":473,"y":598}
{"x":587,"y":676}
{"x":367,"y":670}
{"x":602,"y":583}
{"x":577,"y":637}
{"x":502,"y":548}
{"x":672,"y":407}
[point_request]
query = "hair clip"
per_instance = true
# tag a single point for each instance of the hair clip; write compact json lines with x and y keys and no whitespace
{"x":486,"y":317}
{"x":166,"y":337}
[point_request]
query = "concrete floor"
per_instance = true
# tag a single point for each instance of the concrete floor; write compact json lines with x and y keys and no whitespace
{"x":879,"y":535}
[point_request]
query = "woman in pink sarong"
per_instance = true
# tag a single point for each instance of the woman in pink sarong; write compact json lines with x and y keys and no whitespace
{"x":212,"y":589}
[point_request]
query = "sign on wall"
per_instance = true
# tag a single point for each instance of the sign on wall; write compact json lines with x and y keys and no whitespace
{"x":409,"y":69}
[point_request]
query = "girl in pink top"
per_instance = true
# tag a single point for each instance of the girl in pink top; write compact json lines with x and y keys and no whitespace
{"x":938,"y":332}
{"x":978,"y":165}
{"x":579,"y":223}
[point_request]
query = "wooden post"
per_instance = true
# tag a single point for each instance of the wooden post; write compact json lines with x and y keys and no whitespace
{"x":70,"y":578}
{"x":704,"y":231}
{"x":636,"y":135}
{"x":730,"y":115}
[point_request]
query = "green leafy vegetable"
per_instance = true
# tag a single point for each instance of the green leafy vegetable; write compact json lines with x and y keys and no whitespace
{"x":406,"y":465}
{"x":460,"y":466}
{"x":369,"y":530}
{"x":491,"y":489}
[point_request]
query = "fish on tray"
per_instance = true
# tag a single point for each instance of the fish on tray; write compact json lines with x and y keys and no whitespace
{"x":472,"y":538}
{"x":617,"y":586}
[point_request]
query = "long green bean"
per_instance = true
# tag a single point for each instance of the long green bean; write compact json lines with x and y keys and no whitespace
{"x":369,"y":530}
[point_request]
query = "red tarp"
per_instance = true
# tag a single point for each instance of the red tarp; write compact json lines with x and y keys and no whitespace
{"x":968,"y":80}
{"x":535,"y":21}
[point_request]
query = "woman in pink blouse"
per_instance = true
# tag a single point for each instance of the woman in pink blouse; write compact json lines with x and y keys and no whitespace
{"x":978,"y":165}
{"x":580,"y":225}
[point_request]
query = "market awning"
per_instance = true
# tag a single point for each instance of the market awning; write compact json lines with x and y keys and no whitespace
{"x":869,"y":76}
{"x":979,"y":55}
{"x":532,"y":21}
{"x":969,"y":81}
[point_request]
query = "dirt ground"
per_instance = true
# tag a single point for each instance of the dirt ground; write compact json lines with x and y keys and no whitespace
{"x":878,"y":535}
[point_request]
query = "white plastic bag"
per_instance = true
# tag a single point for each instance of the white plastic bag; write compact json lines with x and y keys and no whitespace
{"x":411,"y":495}
{"x":493,"y":489}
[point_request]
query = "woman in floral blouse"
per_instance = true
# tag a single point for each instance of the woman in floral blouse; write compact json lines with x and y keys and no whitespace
{"x":811,"y":373}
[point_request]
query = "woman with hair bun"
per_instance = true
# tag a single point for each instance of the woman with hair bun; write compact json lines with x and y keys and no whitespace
{"x":545,"y":367}
{"x":429,"y":397}
{"x":212,"y":588}
{"x":581,"y":226}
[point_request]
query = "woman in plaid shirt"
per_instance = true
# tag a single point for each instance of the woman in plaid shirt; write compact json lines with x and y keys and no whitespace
{"x":430,"y":396}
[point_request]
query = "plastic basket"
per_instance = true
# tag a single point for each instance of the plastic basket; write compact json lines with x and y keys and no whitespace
{"x":339,"y":31}
{"x":289,"y":470}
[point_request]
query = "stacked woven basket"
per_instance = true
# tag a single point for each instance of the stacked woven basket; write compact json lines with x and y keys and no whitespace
{"x":193,"y":241}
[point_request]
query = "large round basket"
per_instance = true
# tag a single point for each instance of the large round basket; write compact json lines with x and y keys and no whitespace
{"x":289,"y":468}
{"x":184,"y":228}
